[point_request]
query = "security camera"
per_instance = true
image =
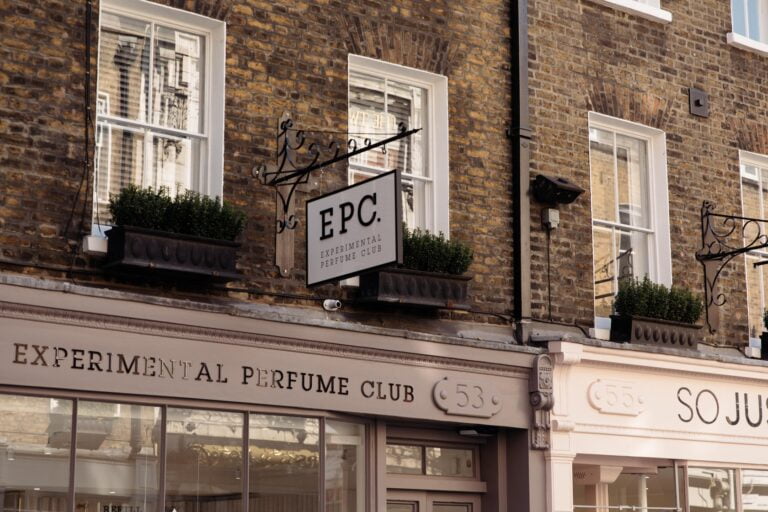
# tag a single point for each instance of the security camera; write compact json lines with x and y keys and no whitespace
{"x":331,"y":304}
{"x":555,"y":190}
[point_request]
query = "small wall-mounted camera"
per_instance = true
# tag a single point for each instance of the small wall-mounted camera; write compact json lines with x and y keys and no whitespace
{"x":331,"y":304}
{"x":555,"y":190}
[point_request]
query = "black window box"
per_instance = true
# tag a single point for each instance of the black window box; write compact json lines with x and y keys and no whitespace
{"x":415,"y":288}
{"x":131,"y":248}
{"x":653,"y":331}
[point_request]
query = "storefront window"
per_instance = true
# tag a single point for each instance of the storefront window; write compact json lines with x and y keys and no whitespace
{"x":754,"y":490}
{"x":711,"y":490}
{"x":35,"y":442}
{"x":344,"y":467}
{"x":284,"y":458}
{"x":607,"y":488}
{"x":117,"y":459}
{"x":204,"y":461}
{"x":120,"y":448}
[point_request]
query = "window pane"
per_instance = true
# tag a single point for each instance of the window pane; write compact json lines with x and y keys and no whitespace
{"x":632,"y":168}
{"x":711,"y":490}
{"x":204,"y":461}
{"x":368,"y":117}
{"x":35,"y":440}
{"x":344,"y":467}
{"x":632,"y":254}
{"x":172,"y":159}
{"x":652,"y":490}
{"x":753,"y":20}
{"x":416,"y":202}
{"x":284,"y":458}
{"x":605,"y":270}
{"x":450,"y":461}
{"x":738,"y":15}
{"x":117,"y":466}
{"x":177,"y":80}
{"x":603,"y":175}
{"x":402,"y":506}
{"x":408,"y":105}
{"x":405,"y":459}
{"x":750,"y":201}
{"x":754,"y":490}
{"x":124,"y":66}
{"x":119,"y":162}
{"x":754,"y":296}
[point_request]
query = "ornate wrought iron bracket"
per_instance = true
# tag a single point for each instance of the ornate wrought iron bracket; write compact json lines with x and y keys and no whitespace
{"x":723,"y":237}
{"x":297,"y":157}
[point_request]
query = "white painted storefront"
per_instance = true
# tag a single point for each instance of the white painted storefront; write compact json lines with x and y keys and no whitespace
{"x":642,"y":430}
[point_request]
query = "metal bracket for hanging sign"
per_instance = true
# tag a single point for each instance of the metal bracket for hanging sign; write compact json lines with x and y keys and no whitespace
{"x":723,"y":237}
{"x":297,"y":158}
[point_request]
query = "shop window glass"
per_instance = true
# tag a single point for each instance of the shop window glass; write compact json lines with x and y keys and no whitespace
{"x":456,"y":462}
{"x":344,"y":467}
{"x":204,"y":461}
{"x":711,"y":490}
{"x":754,"y":490}
{"x":284,"y":459}
{"x":117,"y":466}
{"x":649,"y":489}
{"x":405,"y":459}
{"x":35,"y":442}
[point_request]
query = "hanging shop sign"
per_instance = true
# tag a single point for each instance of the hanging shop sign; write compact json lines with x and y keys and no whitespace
{"x":355,"y":229}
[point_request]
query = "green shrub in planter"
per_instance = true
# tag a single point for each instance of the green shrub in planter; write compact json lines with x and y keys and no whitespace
{"x":648,"y":299}
{"x":189,"y":213}
{"x":433,"y":253}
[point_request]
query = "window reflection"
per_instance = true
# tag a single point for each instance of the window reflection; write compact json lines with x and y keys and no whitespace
{"x":117,"y":464}
{"x":35,"y":441}
{"x":711,"y":490}
{"x":204,"y":461}
{"x":344,"y":467}
{"x":284,"y":458}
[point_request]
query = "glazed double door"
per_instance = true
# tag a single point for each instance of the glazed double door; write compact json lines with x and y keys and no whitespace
{"x":421,"y":501}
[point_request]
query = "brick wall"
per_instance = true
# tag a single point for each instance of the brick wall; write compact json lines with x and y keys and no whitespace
{"x":281,"y":56}
{"x":586,"y":57}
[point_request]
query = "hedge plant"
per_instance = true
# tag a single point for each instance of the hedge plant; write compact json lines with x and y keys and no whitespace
{"x":646,"y":298}
{"x":433,"y":253}
{"x":189,"y":213}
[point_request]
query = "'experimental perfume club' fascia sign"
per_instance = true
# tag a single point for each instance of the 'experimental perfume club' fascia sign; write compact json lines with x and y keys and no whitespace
{"x":355,"y":229}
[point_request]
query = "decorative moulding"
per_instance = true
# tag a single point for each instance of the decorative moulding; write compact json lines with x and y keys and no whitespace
{"x":616,"y":397}
{"x":635,"y":7}
{"x":745,"y":43}
{"x":466,"y":398}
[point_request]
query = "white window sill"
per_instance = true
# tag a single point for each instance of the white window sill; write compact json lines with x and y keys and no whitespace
{"x":745,"y":43}
{"x":642,"y":10}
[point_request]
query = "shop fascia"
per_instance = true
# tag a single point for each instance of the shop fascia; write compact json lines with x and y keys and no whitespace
{"x":658,"y":430}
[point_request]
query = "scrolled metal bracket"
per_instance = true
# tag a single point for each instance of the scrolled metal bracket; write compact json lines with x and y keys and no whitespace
{"x":723,"y":237}
{"x":297,"y":157}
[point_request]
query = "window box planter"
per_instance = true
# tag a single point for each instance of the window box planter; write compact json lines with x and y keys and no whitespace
{"x":654,"y":331}
{"x":415,"y":288}
{"x":131,"y":248}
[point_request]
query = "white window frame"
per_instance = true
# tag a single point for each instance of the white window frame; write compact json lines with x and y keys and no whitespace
{"x":648,"y":9}
{"x":747,"y":43}
{"x":437,"y":132}
{"x":211,"y":180}
{"x":760,"y":161}
{"x":660,"y":248}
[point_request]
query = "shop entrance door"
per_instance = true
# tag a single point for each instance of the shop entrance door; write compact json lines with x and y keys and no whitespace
{"x":419,"y":501}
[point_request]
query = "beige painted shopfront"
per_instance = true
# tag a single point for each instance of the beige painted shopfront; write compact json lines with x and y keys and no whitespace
{"x":109,"y":404}
{"x":661,"y":431}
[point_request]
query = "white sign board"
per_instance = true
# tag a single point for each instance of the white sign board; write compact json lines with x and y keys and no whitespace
{"x":354,"y":229}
